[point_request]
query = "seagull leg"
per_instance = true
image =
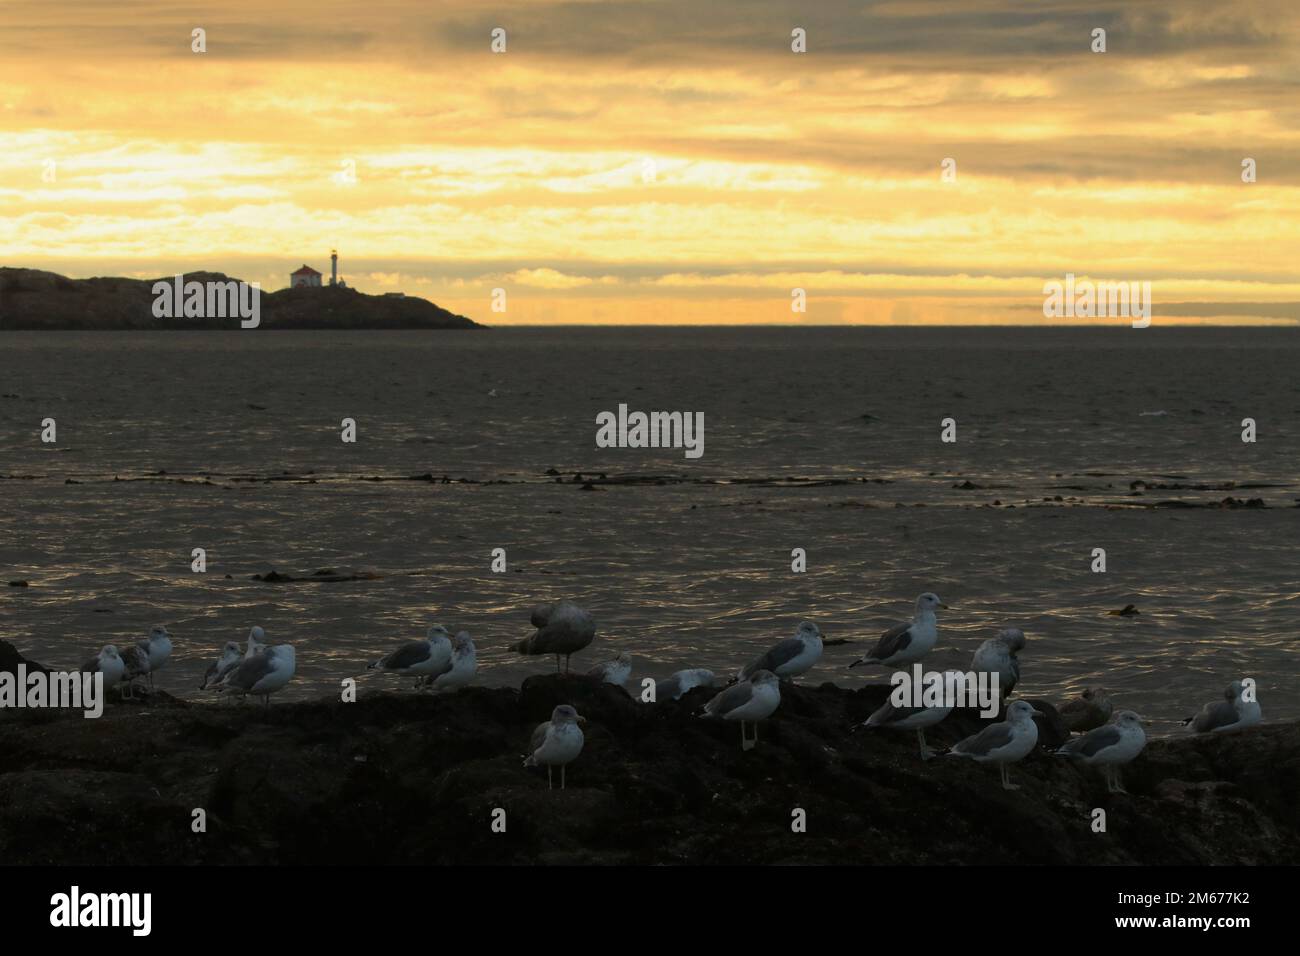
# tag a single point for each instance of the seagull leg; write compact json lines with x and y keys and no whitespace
{"x":926,"y":752}
{"x":562,"y":767}
{"x":557,"y":663}
{"x":566,"y":664}
{"x":550,"y":784}
{"x":1006,"y":778}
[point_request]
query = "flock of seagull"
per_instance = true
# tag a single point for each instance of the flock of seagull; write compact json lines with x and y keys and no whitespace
{"x":442,"y":661}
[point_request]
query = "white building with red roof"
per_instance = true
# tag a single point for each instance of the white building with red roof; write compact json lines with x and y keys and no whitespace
{"x":306,"y":276}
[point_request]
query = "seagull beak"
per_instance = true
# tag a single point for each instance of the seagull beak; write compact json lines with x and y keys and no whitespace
{"x":945,"y":607}
{"x":1038,"y":713}
{"x":581,"y":719}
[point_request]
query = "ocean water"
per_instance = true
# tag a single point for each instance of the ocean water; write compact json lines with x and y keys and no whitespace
{"x":822,"y":439}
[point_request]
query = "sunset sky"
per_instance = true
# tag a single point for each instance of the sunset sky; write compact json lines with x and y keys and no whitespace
{"x":632,"y":161}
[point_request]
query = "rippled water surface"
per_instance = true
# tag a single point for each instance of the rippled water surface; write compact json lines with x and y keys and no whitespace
{"x":828,"y":440}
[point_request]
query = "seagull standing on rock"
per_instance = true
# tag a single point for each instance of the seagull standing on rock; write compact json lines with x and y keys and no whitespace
{"x":460,"y":667}
{"x":907,"y":643}
{"x":1003,"y":743}
{"x":109,"y":663}
{"x":750,"y":700}
{"x":136,"y":661}
{"x":1234,"y":712}
{"x":563,"y":628}
{"x":910,"y":718}
{"x":790,"y":658}
{"x":158,"y":645}
{"x":262,"y":674}
{"x":998,"y":656}
{"x":1110,"y":746}
{"x":419,"y":659}
{"x":228,"y":661}
{"x":557,"y":742}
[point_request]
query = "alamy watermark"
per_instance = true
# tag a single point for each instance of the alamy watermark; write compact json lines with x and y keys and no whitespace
{"x":72,"y":690}
{"x":208,"y":300}
{"x":651,"y":430}
{"x":922,"y":688}
{"x":1086,"y":299}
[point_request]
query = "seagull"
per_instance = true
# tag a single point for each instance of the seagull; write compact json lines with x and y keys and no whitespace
{"x":136,"y":660}
{"x":1231,"y":713}
{"x":159,"y":647}
{"x":562,"y":628}
{"x":1091,"y":709}
{"x":557,"y":742}
{"x":256,"y":642}
{"x":1128,"y":610}
{"x":615,"y":672}
{"x":791,"y":657}
{"x":1003,"y":743}
{"x":460,"y":667}
{"x":107,"y":662}
{"x":998,"y":656}
{"x":908,"y":643}
{"x":419,"y":658}
{"x":681,"y":682}
{"x":910,"y":718}
{"x":229,"y":659}
{"x":1110,"y":746}
{"x":752,"y":699}
{"x":262,"y":674}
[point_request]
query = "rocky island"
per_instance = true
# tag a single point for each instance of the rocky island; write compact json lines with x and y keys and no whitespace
{"x":34,"y":300}
{"x":403,"y":778}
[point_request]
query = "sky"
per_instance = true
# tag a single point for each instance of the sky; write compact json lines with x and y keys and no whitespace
{"x":668,"y":161}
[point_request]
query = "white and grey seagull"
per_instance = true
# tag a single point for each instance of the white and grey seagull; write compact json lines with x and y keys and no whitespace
{"x":614,"y":672}
{"x":256,"y":641}
{"x":419,"y":659}
{"x":557,"y":742}
{"x":889,"y":717}
{"x":1232,"y":713}
{"x":158,"y":647}
{"x":791,"y":657}
{"x":1110,"y":746}
{"x":683,"y":681}
{"x":998,"y":656}
{"x":109,"y":663}
{"x":1004,"y":742}
{"x":228,"y":661}
{"x":262,"y":674}
{"x":747,"y":701}
{"x":908,"y":643}
{"x":460,"y":667}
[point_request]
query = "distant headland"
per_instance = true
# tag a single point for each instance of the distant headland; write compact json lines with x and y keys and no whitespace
{"x":31,"y":299}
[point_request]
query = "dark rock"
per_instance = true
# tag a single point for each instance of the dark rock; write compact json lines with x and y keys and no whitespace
{"x":412,"y":779}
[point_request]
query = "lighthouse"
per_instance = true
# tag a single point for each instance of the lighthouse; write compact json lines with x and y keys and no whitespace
{"x":334,"y":267}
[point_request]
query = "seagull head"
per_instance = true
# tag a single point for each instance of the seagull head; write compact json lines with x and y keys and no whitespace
{"x":1013,"y":637}
{"x":929,"y":601}
{"x":1129,"y":719}
{"x":1232,"y":691}
{"x":257,"y":634}
{"x":809,"y":629}
{"x":565,"y":714}
{"x":437,"y":632}
{"x":462,"y":641}
{"x":110,"y":652}
{"x":1022,"y":710}
{"x":158,"y":633}
{"x":763,"y":678}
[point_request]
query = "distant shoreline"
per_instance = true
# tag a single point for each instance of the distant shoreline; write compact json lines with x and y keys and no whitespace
{"x":34,"y":301}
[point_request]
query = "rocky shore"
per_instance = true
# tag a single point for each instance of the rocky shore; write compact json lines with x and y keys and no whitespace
{"x":401,"y":778}
{"x":31,"y":299}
